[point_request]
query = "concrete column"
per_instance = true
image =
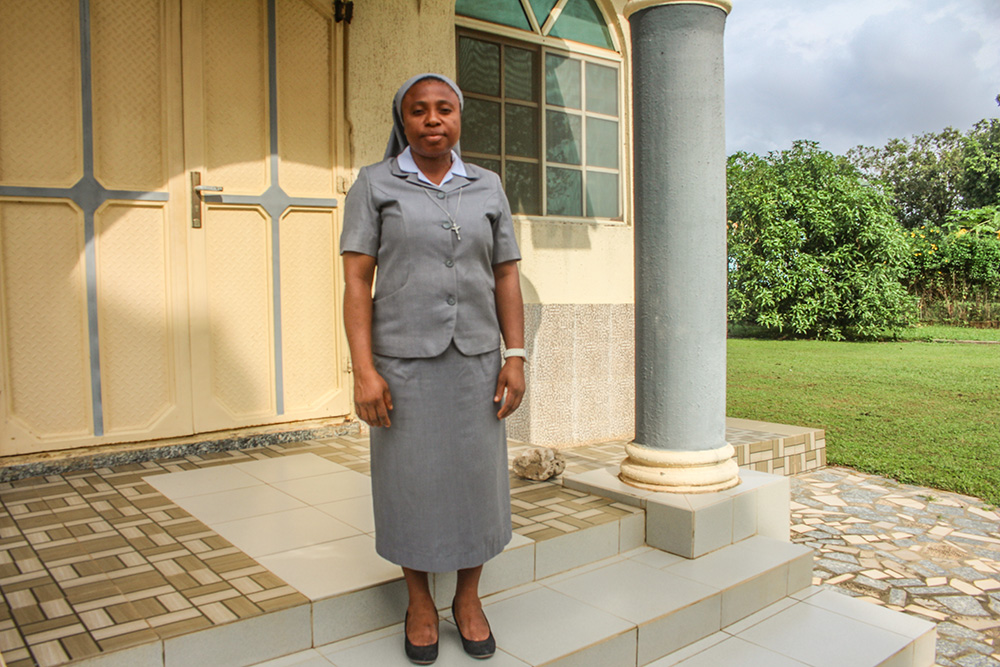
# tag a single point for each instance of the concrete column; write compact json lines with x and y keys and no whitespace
{"x":680,"y":248}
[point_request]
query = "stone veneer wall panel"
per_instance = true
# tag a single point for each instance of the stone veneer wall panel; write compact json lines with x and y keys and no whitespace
{"x":580,"y":374}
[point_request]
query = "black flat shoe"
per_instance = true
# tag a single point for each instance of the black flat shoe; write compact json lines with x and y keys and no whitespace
{"x":482,"y":649}
{"x":419,"y":655}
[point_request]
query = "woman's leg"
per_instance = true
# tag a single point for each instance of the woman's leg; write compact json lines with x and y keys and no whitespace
{"x":468,"y":608}
{"x":422,"y":623}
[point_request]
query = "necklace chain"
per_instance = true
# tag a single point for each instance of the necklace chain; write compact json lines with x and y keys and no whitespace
{"x":454,"y":226}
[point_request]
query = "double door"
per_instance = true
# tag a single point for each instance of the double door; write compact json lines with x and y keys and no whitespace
{"x":168,"y":219}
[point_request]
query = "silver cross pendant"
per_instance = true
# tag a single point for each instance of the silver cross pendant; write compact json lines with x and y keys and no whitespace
{"x":454,"y":227}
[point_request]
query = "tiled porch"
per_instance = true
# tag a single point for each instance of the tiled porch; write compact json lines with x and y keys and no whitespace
{"x":250,"y":555}
{"x":100,"y":560}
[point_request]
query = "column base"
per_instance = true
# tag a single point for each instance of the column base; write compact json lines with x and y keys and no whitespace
{"x":674,"y":471}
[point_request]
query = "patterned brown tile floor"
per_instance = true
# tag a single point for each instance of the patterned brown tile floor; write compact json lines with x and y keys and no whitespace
{"x":96,"y":560}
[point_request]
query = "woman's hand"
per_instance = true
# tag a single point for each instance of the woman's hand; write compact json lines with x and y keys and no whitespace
{"x":510,"y":315}
{"x":511,"y":381}
{"x":372,"y":399}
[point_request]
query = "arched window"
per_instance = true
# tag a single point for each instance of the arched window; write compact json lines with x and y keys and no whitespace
{"x":541,"y":80}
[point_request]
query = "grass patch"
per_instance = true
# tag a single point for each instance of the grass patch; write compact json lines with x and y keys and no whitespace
{"x":920,"y":413}
{"x":941,"y":332}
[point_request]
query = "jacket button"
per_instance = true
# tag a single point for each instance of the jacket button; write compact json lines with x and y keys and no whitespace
{"x":449,"y":263}
{"x":440,"y":195}
{"x":451,"y":301}
{"x":446,"y":225}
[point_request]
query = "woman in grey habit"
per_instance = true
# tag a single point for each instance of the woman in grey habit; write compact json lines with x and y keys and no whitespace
{"x":428,"y":374}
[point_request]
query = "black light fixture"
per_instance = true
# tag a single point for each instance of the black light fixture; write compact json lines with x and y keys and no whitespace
{"x":343,"y":11}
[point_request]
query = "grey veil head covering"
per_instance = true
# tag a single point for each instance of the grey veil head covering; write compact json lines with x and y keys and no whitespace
{"x":397,"y":140}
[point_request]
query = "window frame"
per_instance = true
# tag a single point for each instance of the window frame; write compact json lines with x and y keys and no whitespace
{"x":542,"y":45}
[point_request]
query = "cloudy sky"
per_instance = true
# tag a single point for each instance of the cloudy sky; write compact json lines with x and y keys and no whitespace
{"x":849,"y":72}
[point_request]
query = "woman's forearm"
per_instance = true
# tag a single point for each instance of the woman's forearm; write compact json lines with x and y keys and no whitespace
{"x":510,"y":314}
{"x":510,"y":304}
{"x":359,"y":272}
{"x":372,"y":398}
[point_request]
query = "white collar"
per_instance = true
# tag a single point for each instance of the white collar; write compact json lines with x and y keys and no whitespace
{"x":406,"y":163}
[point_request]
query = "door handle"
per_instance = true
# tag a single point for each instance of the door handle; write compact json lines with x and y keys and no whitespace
{"x":196,"y":189}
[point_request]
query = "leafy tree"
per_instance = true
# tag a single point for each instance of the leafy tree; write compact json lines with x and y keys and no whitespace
{"x":925,"y":178}
{"x":813,"y":248}
{"x":980,"y":182}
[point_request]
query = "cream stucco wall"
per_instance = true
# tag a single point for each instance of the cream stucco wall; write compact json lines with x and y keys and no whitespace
{"x":564,"y":262}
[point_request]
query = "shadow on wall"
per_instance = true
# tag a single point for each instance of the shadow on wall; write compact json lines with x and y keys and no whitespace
{"x":561,"y":235}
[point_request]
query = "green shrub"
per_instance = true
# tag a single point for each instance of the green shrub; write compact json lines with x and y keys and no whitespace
{"x":954,"y":269}
{"x":813,"y":248}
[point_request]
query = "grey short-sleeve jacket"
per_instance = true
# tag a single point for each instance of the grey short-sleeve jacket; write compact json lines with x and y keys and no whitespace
{"x":431,"y":287}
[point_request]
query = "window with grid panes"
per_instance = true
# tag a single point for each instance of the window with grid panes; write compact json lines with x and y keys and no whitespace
{"x":538,"y":111}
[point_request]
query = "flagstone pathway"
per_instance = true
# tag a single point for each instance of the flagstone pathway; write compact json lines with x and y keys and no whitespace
{"x":930,"y":553}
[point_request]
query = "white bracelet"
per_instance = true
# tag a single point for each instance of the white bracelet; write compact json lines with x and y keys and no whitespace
{"x":515,"y":352}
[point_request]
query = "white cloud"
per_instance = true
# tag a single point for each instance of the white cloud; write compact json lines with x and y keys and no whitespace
{"x":848,"y":72}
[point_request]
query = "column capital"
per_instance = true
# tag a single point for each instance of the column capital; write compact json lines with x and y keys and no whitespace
{"x":632,"y":6}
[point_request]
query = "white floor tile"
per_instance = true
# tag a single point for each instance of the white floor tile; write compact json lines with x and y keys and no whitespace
{"x":738,"y":562}
{"x":176,"y":485}
{"x":282,"y":531}
{"x":690,"y":650}
{"x":356,"y":512}
{"x":517,"y":540}
{"x":359,"y":614}
{"x":574,"y":549}
{"x":734,"y":652}
{"x":633,"y":591}
{"x":512,"y":592}
{"x":281,"y":468}
{"x":872,"y":614}
{"x":310,"y":658}
{"x":577,"y":571}
{"x":511,"y":568}
{"x":213,"y":508}
{"x":264,"y":637}
{"x":388,"y":652}
{"x":332,"y":568}
{"x":327,"y":488}
{"x":656,"y":558}
{"x":816,"y":637}
{"x":605,"y":482}
{"x":358,"y":640}
{"x":754,"y":619}
{"x":542,"y":625}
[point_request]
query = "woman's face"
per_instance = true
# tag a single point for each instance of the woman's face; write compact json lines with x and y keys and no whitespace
{"x":432,"y":119}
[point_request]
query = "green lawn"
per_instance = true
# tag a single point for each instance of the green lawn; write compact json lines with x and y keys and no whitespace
{"x":921,"y":413}
{"x":932,"y":332}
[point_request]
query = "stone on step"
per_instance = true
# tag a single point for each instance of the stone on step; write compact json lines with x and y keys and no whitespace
{"x":539,"y":464}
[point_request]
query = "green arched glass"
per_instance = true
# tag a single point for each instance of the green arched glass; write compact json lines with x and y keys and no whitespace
{"x":582,"y":21}
{"x":504,"y":12}
{"x":579,"y":20}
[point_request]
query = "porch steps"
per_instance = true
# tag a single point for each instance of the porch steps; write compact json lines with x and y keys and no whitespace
{"x":747,"y":605}
{"x":734,"y":593}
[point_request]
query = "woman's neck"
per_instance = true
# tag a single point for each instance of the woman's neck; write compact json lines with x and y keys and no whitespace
{"x":434,"y":168}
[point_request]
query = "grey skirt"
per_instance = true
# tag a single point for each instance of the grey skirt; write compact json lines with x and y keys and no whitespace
{"x":439,"y":474}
